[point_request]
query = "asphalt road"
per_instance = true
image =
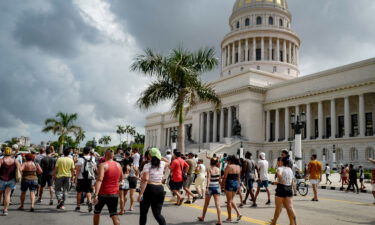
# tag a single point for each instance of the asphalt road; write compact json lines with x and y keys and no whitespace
{"x":334,"y":208}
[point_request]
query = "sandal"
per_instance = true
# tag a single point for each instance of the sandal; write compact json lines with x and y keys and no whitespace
{"x":121,"y":212}
{"x":181,"y":201}
{"x":21,"y":208}
{"x":239,"y":217}
{"x":200,"y":219}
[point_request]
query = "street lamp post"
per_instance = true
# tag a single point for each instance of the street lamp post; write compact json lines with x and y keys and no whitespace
{"x":297,"y":123}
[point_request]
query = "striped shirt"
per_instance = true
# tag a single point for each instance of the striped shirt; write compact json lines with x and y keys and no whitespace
{"x":214,"y":180}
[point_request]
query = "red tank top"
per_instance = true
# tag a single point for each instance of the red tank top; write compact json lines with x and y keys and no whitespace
{"x":8,"y":172}
{"x":110,"y":183}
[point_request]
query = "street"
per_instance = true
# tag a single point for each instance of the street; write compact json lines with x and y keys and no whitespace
{"x":334,"y":207}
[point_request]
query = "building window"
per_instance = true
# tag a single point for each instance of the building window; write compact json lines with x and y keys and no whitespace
{"x":238,"y":24}
{"x":328,"y":127}
{"x":370,"y":153}
{"x":236,"y":58}
{"x":369,"y":125}
{"x":270,"y":20}
{"x":354,"y":131}
{"x":247,"y":22}
{"x":258,"y":54}
{"x":274,"y":69}
{"x":341,"y":126}
{"x":316,"y":129}
{"x":259,"y":20}
{"x":281,"y":23}
{"x":281,"y":56}
{"x":353,"y":154}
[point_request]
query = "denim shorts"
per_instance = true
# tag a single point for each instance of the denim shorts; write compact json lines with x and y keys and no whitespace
{"x":7,"y":184}
{"x":31,"y":185}
{"x":263,"y":183}
{"x":231,"y":185}
{"x":213,"y":191}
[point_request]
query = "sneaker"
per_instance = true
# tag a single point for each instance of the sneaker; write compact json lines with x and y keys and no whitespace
{"x":32,"y":210}
{"x":268,"y":202}
{"x":89,"y":206}
{"x":5,"y":213}
{"x":77,"y":209}
{"x":254,"y":205}
{"x":194,"y":199}
{"x":39,"y":201}
{"x":60,"y":204}
{"x":51,"y":202}
{"x":62,"y":207}
{"x":187,"y":202}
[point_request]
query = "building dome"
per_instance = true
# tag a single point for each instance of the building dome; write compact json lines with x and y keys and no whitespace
{"x":240,"y":5}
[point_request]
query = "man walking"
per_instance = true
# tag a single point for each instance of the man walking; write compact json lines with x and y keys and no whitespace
{"x":48,"y":165}
{"x":262,"y":169}
{"x":314,"y":172}
{"x":190,"y":177}
{"x":327,"y":171}
{"x":352,"y":179}
{"x":85,"y":174}
{"x":177,"y":167}
{"x":107,"y":188}
{"x":249,"y":177}
{"x":63,"y":173}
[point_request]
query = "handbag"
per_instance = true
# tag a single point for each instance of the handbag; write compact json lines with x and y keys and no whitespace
{"x":184,"y":174}
{"x":18,"y":175}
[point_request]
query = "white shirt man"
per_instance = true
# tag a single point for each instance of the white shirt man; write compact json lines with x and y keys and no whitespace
{"x":136,"y":157}
{"x":262,"y":168}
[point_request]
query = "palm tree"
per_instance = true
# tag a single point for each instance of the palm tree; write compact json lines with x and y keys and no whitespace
{"x":105,"y":140}
{"x":139,"y":138}
{"x":120,"y":131}
{"x":80,"y":137}
{"x":129,"y":130}
{"x":132,"y":131}
{"x":62,"y":125}
{"x":177,"y":78}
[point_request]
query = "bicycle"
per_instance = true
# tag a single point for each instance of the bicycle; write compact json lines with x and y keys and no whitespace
{"x":301,"y":186}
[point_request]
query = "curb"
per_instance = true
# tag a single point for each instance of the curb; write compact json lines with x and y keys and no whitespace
{"x":326,"y":187}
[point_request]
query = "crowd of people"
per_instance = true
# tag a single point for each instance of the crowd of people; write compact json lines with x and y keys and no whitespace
{"x":116,"y":177}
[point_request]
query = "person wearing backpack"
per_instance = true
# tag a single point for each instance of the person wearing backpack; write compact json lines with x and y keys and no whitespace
{"x":85,"y":174}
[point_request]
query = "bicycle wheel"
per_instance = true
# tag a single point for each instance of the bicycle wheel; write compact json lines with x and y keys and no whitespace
{"x":303,"y":189}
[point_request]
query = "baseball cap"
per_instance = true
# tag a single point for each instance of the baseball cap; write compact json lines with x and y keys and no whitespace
{"x":154,"y":152}
{"x":15,"y":146}
{"x":8,"y":151}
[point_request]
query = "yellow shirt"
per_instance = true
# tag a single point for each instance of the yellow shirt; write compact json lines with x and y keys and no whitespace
{"x":64,"y":165}
{"x":315,"y":168}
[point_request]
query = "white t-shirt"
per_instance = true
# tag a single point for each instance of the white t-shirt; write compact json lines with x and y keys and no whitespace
{"x":328,"y":170}
{"x":286,"y":174}
{"x":156,"y":174}
{"x":169,"y":157}
{"x":263,"y":169}
{"x":136,"y":157}
{"x":81,"y":163}
{"x":202,"y":171}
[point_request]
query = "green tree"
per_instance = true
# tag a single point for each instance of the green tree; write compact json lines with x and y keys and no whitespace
{"x":11,"y":142}
{"x":120,"y":131}
{"x":62,"y":125}
{"x":105,"y":140}
{"x":81,"y":135}
{"x":139,"y":138}
{"x":177,"y":78}
{"x":129,"y":130}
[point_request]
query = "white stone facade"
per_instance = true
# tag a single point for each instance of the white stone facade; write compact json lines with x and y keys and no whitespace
{"x":262,"y":98}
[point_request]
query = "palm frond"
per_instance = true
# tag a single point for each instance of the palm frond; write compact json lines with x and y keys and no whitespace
{"x":157,"y":91}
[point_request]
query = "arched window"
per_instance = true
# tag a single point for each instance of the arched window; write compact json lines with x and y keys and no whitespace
{"x":270,"y":20}
{"x":259,"y":20}
{"x":247,"y":22}
{"x":238,"y":24}
{"x":353,"y":154}
{"x":370,"y":153}
{"x":281,"y":23}
{"x":339,"y":154}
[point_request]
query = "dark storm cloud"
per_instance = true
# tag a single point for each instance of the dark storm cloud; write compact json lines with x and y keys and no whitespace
{"x":57,"y":30}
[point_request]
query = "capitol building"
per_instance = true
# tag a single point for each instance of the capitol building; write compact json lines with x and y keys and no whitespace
{"x":262,"y":92}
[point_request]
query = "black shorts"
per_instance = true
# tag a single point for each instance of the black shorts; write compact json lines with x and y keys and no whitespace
{"x":361,"y":180}
{"x":110,"y":200}
{"x":46,"y":179}
{"x":284,"y":191}
{"x":132,"y":182}
{"x":175,"y":186}
{"x":84,"y":185}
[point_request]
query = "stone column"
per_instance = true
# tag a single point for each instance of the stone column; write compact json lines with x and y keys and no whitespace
{"x":297,"y":110}
{"x":284,"y":50}
{"x":308,"y":121}
{"x":254,"y":48}
{"x":239,"y":51}
{"x":233,"y":52}
{"x":146,"y":139}
{"x":361,"y":115}
{"x":286,"y":123}
{"x":290,"y":52}
{"x":227,"y":55}
{"x":320,"y":119}
{"x":201,"y":128}
{"x":347,"y":118}
{"x":222,"y":124}
{"x":247,"y":50}
{"x":297,"y":56}
{"x":208,"y":125}
{"x":230,"y":121}
{"x":168,"y":136}
{"x":268,"y":122}
{"x":262,"y":49}
{"x":270,"y":49}
{"x":214,"y":139}
{"x":333,"y":118}
{"x":277,"y":49}
{"x":223,"y":57}
{"x":277,"y":125}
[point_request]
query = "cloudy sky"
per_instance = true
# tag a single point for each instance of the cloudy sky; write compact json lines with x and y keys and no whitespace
{"x":74,"y":55}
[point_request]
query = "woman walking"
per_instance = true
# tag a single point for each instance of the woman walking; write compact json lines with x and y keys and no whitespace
{"x":212,"y":189}
{"x":29,"y":172}
{"x":201,"y":178}
{"x":232,"y":184}
{"x":152,"y":190}
{"x":132,"y":178}
{"x":124,"y":185}
{"x":284,"y":191}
